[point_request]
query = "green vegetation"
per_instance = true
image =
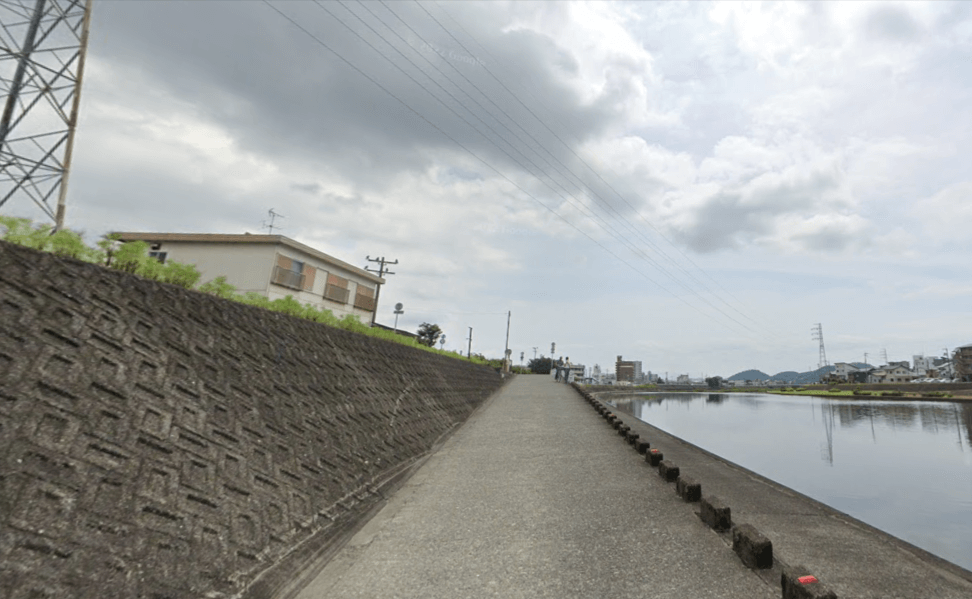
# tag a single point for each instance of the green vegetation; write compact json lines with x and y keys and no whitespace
{"x":428,"y":334}
{"x":133,"y":258}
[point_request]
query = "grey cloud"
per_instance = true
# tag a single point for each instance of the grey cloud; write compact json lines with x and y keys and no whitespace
{"x":731,"y":219}
{"x":892,"y":23}
{"x":298,"y":101}
{"x":832,"y":238}
{"x":720,"y":222}
{"x":311,"y":188}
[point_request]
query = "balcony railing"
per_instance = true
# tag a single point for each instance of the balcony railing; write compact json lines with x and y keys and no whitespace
{"x":336,"y":294}
{"x":364,"y":302}
{"x":287,"y":278}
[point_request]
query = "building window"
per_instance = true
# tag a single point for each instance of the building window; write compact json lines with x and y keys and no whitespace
{"x":288,"y":273}
{"x":336,"y":289}
{"x":160,"y":256}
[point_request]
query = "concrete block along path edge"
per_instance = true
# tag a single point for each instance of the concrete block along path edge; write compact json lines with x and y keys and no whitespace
{"x":535,"y":496}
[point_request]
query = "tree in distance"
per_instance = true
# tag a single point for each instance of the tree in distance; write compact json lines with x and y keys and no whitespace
{"x":428,"y":334}
{"x":540,"y":365}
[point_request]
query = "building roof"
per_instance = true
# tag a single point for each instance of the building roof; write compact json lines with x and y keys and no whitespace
{"x":247,"y":238}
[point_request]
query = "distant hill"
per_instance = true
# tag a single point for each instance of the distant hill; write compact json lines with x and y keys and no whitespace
{"x":790,"y":377}
{"x":749,"y":375}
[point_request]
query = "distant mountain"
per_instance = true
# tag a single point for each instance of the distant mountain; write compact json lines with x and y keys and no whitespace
{"x":749,"y":375}
{"x":790,"y":377}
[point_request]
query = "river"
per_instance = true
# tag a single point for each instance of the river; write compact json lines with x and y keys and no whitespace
{"x":904,"y":467}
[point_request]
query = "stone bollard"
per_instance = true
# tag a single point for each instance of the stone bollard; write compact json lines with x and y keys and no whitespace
{"x":688,"y":489}
{"x":654,"y":457}
{"x":632,"y":437}
{"x":668,"y":471}
{"x":642,"y":445}
{"x":715,"y":513}
{"x":755,"y":550}
{"x":623,"y":430}
{"x":798,"y":583}
{"x":618,"y":423}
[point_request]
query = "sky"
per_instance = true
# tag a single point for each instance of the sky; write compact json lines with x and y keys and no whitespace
{"x":693,"y":185}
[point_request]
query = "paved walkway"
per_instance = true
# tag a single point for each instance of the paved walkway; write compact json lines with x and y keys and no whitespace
{"x":535,"y":496}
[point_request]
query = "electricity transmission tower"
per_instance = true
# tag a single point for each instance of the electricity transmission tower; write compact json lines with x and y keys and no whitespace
{"x":42,"y":49}
{"x":818,"y":336}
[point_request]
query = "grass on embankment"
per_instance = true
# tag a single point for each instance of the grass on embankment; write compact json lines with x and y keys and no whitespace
{"x":133,"y":258}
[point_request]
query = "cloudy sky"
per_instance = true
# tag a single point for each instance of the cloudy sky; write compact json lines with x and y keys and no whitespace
{"x":692,"y":185}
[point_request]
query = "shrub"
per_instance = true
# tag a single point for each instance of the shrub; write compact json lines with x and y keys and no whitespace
{"x":70,"y":245}
{"x":177,"y":273}
{"x":218,"y":287}
{"x":130,"y":256}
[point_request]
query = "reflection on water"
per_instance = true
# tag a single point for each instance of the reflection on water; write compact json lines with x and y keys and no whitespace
{"x":904,"y":467}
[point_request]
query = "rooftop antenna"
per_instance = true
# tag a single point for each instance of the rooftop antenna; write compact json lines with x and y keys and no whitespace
{"x":269,"y":225}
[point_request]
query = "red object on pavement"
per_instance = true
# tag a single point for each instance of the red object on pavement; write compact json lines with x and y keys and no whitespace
{"x":807,"y":579}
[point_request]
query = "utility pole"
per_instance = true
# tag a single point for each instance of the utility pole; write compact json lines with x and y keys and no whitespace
{"x":469,"y":351}
{"x":381,"y":273}
{"x":49,"y":45}
{"x":865,"y":358}
{"x":534,"y":353}
{"x":508,"y":316}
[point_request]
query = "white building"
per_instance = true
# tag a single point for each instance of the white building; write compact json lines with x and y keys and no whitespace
{"x":892,"y":373}
{"x":272,"y":266}
{"x":843,"y":370}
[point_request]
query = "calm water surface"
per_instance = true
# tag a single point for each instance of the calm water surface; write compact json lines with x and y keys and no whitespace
{"x":903,"y":467}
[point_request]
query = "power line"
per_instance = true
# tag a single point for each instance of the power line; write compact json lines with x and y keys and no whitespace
{"x":469,"y":151}
{"x":589,"y":167}
{"x":618,"y":235}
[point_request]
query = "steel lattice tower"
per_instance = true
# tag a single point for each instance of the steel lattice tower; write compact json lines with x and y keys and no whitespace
{"x":818,"y":336}
{"x":42,"y":49}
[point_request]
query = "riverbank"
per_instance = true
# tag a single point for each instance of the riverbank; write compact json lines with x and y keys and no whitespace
{"x":850,"y":556}
{"x":939,"y":392}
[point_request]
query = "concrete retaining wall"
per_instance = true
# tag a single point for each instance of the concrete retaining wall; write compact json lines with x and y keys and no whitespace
{"x":157,"y":442}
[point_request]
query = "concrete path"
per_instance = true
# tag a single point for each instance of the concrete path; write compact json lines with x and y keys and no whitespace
{"x":535,"y":496}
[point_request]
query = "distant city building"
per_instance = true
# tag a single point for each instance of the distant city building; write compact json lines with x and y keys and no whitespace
{"x":683,"y":379}
{"x":627,"y":370}
{"x":962,"y":363}
{"x":922,"y":364}
{"x":272,"y":266}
